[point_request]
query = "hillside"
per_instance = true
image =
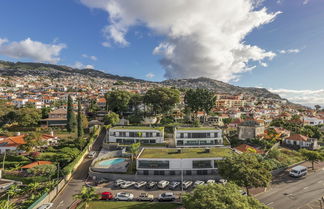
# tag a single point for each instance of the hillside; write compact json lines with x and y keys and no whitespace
{"x":57,"y":71}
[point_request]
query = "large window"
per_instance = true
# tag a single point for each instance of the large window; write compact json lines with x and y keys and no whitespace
{"x":154,"y":164}
{"x":149,"y":134}
{"x":198,"y":135}
{"x":201,"y":164}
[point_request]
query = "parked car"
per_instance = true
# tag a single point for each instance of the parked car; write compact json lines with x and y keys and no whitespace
{"x":167,"y":196}
{"x":151,"y":184}
{"x":298,"y":171}
{"x":197,"y":183}
{"x":127,"y":184}
{"x":107,"y":196}
{"x":222,"y":181}
{"x":92,"y":154}
{"x":210,"y":181}
{"x":162,"y":184}
{"x":174,"y":184}
{"x":145,"y":197}
{"x":124,"y":196}
{"x":46,"y":206}
{"x":186,"y":184}
{"x":140,"y":184}
{"x":118,"y":182}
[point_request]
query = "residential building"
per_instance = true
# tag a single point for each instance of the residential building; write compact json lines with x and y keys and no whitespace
{"x":313,"y":121}
{"x":11,"y":144}
{"x":56,"y":118}
{"x":250,"y":129}
{"x":301,"y":141}
{"x":197,"y":137}
{"x":133,"y":134}
{"x":177,"y":161}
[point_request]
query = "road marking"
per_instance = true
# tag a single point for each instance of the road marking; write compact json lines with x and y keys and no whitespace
{"x":305,"y":187}
{"x":270,"y":203}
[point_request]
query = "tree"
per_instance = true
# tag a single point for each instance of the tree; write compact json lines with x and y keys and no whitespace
{"x":135,"y":101}
{"x":199,"y":100}
{"x":313,"y":156}
{"x":161,"y":99}
{"x":7,"y":204}
{"x":317,"y":107}
{"x":111,"y":118}
{"x":214,"y":196}
{"x":87,"y":194}
{"x":71,"y":123}
{"x":33,"y":187}
{"x":118,"y":101}
{"x":45,"y":111}
{"x":79,"y":120}
{"x":32,"y":140}
{"x":27,"y":117}
{"x":134,"y":148}
{"x":13,"y":190}
{"x":43,"y":170}
{"x":245,"y":170}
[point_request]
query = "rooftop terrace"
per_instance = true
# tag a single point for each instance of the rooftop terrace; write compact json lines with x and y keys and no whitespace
{"x":196,"y":128}
{"x":186,"y":153}
{"x":138,"y":128}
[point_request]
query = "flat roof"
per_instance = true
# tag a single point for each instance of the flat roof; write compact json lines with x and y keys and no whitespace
{"x":197,"y":128}
{"x":138,"y":128}
{"x":185,"y":152}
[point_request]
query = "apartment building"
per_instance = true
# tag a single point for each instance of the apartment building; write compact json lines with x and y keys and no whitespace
{"x":133,"y":134}
{"x":197,"y":137}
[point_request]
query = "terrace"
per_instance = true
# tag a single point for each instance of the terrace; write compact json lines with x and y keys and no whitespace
{"x":138,"y":128}
{"x":186,"y":153}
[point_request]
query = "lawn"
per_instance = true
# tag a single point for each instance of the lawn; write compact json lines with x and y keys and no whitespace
{"x":129,"y":205}
{"x":289,"y":157}
{"x":138,"y":128}
{"x":186,"y":153}
{"x":196,"y":129}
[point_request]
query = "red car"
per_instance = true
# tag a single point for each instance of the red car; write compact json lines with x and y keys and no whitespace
{"x":107,"y":196}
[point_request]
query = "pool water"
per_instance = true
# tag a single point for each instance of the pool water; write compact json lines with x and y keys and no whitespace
{"x":111,"y":161}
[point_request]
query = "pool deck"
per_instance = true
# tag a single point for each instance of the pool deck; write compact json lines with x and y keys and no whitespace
{"x":114,"y":168}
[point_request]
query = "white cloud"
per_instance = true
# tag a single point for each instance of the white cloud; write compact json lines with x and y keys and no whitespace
{"x":305,"y":2}
{"x":289,"y":51}
{"x":202,"y":38}
{"x":305,"y":97}
{"x":29,"y":49}
{"x":263,"y":64}
{"x":79,"y":65}
{"x":150,"y":75}
{"x":106,"y":44}
{"x":94,"y":58}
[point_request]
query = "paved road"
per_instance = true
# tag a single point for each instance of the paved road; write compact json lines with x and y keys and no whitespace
{"x":292,"y":193}
{"x":65,"y":198}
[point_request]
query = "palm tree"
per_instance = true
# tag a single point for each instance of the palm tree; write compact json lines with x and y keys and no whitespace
{"x":86,"y":194}
{"x":33,"y":187}
{"x":134,"y":148}
{"x":13,"y":190}
{"x":7,"y":204}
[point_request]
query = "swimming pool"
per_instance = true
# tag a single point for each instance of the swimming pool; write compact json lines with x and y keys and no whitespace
{"x":113,"y":161}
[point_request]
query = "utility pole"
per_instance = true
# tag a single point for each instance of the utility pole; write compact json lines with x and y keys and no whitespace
{"x":4,"y":158}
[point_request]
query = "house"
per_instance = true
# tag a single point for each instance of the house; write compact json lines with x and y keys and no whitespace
{"x":34,"y":164}
{"x":50,"y":139}
{"x":11,"y":144}
{"x":177,"y":161}
{"x":250,"y":129}
{"x":133,"y":134}
{"x":313,"y":121}
{"x":244,"y":148}
{"x":56,"y":118}
{"x":301,"y":141}
{"x":197,"y":137}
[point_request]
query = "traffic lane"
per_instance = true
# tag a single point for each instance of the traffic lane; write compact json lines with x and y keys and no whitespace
{"x":295,"y":193}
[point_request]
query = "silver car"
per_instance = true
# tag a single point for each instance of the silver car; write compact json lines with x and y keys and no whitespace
{"x":126,"y":196}
{"x":140,"y":184}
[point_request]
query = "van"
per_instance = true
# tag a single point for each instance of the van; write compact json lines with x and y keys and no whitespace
{"x":92,"y":154}
{"x":298,"y":171}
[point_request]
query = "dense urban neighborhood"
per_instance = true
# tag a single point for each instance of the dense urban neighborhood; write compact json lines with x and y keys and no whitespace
{"x":77,"y":141}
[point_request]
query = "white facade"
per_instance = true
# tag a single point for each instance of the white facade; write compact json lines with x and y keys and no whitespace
{"x":302,"y":144}
{"x":313,"y":121}
{"x":131,"y":135}
{"x":196,"y":137}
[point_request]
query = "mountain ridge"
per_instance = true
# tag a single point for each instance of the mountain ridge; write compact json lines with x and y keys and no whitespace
{"x":41,"y":69}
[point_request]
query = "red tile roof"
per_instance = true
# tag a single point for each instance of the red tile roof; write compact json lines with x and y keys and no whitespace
{"x":36,"y":163}
{"x":13,"y":141}
{"x":298,"y":137}
{"x":248,"y":148}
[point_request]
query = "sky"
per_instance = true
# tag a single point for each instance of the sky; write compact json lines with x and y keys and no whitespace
{"x":275,"y":44}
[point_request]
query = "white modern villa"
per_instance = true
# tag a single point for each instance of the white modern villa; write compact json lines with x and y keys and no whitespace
{"x":197,"y":137}
{"x":133,"y":134}
{"x":177,"y":161}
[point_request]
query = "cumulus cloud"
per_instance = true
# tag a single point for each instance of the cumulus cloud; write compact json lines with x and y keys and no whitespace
{"x":94,"y":58}
{"x":305,"y":2}
{"x":150,"y":75}
{"x":29,"y":49}
{"x":289,"y":51}
{"x":202,"y":38}
{"x":79,"y":65}
{"x":304,"y":97}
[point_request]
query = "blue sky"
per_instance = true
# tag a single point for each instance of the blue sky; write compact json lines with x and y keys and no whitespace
{"x":75,"y":28}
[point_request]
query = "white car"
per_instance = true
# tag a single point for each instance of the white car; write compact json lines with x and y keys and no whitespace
{"x":118,"y":182}
{"x":127,"y":184}
{"x":140,"y":184}
{"x":124,"y":196}
{"x":92,"y":154}
{"x":162,"y":184}
{"x":186,"y":184}
{"x":211,"y":181}
{"x":167,"y":196}
{"x":197,"y":183}
{"x":46,"y":206}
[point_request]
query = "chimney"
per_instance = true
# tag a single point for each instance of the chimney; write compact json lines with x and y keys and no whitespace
{"x":18,"y":134}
